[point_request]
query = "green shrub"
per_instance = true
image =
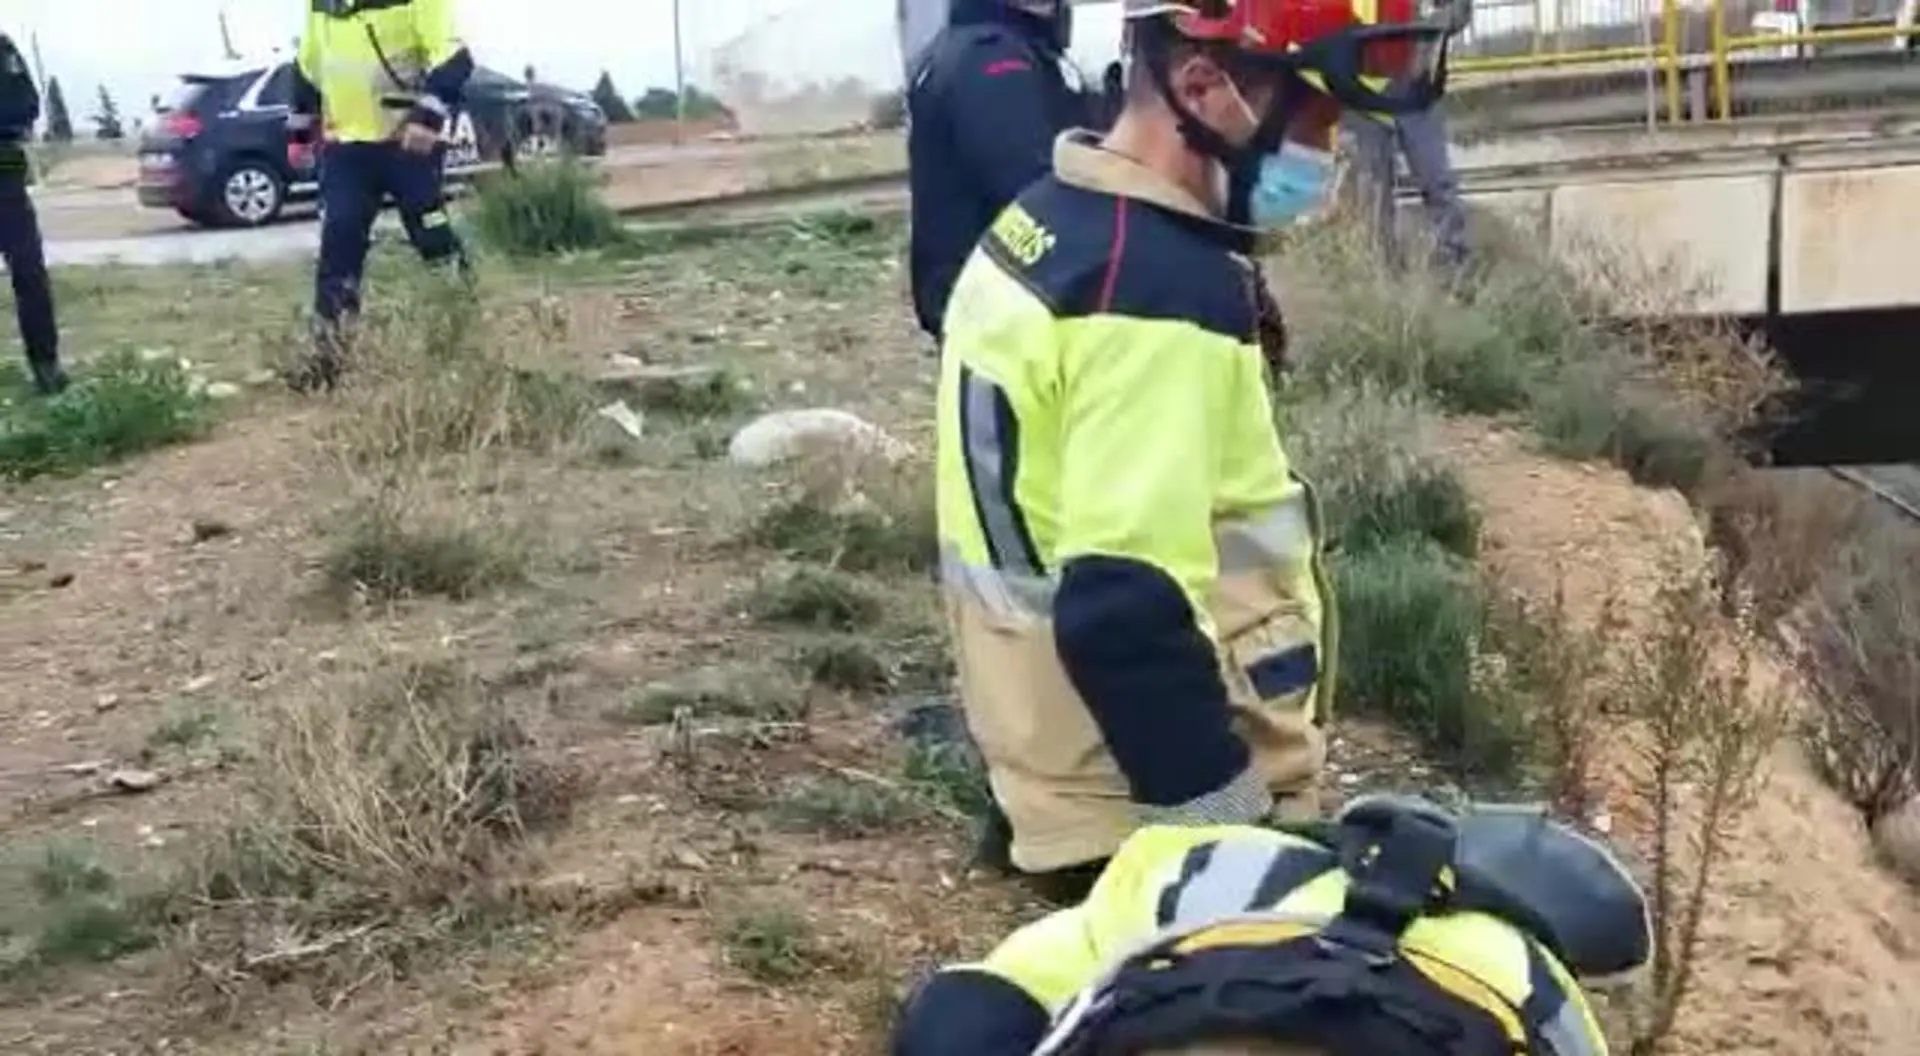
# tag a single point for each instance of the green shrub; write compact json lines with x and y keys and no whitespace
{"x":122,"y":405}
{"x":545,"y":208}
{"x":76,"y":912}
{"x":1368,"y":452}
{"x":1412,"y":618}
{"x":1406,"y":332}
{"x":1595,"y":411}
{"x":391,"y":553}
{"x":815,"y":598}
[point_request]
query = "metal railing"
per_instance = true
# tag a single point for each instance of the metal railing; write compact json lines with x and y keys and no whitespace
{"x":1667,"y":40}
{"x":1515,"y":36}
{"x":1724,"y":46}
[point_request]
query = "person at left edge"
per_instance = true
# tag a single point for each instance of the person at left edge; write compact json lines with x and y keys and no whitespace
{"x":20,"y":242}
{"x":985,"y":101}
{"x":382,"y":78}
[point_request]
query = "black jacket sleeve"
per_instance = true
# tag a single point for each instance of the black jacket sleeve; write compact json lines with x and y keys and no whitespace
{"x":1007,"y":107}
{"x":962,"y":1012}
{"x":19,"y":97}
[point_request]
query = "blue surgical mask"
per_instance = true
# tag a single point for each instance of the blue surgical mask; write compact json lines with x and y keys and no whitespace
{"x":1292,"y":183}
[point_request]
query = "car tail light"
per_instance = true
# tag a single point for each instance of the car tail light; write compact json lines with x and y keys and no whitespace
{"x":300,"y":156}
{"x":181,"y":126}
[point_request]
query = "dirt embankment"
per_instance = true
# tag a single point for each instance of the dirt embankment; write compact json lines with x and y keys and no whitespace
{"x":1809,"y":947}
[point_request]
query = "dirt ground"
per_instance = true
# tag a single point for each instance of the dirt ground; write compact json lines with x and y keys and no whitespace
{"x":121,"y":613}
{"x":1811,"y":947}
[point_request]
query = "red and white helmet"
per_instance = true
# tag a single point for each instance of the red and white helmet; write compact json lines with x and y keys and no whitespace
{"x":1373,"y":55}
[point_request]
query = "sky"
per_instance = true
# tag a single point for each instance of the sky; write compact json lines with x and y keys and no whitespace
{"x":136,"y":47}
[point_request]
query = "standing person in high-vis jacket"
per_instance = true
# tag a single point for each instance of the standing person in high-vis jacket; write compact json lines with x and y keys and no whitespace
{"x":1396,"y":930}
{"x":985,"y":101}
{"x":21,"y":245}
{"x":380,"y":79}
{"x":1131,"y":566}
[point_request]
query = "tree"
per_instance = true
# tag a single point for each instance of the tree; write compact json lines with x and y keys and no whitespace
{"x":661,"y":104}
{"x":607,"y":97}
{"x":59,"y":122}
{"x":527,"y":74}
{"x":106,"y":122}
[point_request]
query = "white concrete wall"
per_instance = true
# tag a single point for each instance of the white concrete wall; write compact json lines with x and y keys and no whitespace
{"x":1692,"y":217}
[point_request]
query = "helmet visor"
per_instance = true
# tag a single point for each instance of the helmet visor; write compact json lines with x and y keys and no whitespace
{"x":1382,"y":70}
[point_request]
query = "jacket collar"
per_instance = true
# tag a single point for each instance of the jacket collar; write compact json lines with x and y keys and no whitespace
{"x":1080,"y":161}
{"x":1002,"y":13}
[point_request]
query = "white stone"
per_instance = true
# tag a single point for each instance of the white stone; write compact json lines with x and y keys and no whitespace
{"x":783,"y":435}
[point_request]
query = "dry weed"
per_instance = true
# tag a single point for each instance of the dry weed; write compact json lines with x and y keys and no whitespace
{"x":1709,"y":722}
{"x":1860,"y":640}
{"x":403,"y":785}
{"x":1776,"y":535}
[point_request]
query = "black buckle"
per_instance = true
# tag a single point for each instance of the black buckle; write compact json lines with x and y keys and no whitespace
{"x":1394,"y":879}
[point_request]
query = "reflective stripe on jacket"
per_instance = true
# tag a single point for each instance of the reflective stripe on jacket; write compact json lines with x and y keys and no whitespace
{"x":1169,"y":880}
{"x":376,"y":63}
{"x":1131,"y":568}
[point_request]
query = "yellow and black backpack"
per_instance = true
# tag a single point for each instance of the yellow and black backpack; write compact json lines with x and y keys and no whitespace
{"x":1403,"y":930}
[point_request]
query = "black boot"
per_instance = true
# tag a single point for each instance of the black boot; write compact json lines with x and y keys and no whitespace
{"x":48,"y":378}
{"x":320,"y":369}
{"x":993,"y":851}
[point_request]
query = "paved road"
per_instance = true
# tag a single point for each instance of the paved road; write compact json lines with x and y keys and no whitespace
{"x":161,"y":239}
{"x":1900,"y":482}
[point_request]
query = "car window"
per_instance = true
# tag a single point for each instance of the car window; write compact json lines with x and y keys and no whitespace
{"x":182,"y":96}
{"x":278,"y":88}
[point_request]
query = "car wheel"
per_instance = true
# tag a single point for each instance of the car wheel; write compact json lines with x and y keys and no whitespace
{"x":249,"y":194}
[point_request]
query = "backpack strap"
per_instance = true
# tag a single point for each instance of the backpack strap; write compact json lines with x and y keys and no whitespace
{"x":1396,"y":876}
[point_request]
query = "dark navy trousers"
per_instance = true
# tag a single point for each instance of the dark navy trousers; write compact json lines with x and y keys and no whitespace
{"x":355,"y":180}
{"x":26,"y":257}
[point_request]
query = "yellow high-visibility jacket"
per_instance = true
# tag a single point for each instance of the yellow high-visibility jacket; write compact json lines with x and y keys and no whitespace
{"x":365,"y":66}
{"x":1229,"y":883}
{"x":1130,"y":565}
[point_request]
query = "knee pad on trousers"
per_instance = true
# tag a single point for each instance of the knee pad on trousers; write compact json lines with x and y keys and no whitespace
{"x":434,"y":238}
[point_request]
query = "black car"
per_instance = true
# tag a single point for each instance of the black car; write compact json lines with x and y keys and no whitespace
{"x":218,"y":152}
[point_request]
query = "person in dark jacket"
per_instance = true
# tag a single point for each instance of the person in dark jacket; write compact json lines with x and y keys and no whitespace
{"x":985,"y":101}
{"x":20,"y":242}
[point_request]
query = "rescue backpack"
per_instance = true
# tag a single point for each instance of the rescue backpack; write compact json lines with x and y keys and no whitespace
{"x":1350,"y":983}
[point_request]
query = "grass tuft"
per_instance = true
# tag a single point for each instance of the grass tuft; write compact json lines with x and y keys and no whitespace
{"x":544,"y":208}
{"x":121,"y":406}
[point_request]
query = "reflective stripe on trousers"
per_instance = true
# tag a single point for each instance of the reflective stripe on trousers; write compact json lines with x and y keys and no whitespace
{"x":1284,"y":534}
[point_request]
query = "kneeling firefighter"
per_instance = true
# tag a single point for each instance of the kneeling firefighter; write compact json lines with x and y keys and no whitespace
{"x":1398,"y":929}
{"x":381,"y":78}
{"x":1130,"y":564}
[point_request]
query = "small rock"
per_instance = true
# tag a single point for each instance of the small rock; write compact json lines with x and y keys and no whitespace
{"x":1896,"y":835}
{"x":195,"y":685}
{"x":687,"y":859}
{"x":784,"y":435}
{"x":134,"y":781}
{"x":222,"y":390}
{"x":106,"y":702}
{"x":206,"y":529}
{"x":262,"y":376}
{"x":60,"y":580}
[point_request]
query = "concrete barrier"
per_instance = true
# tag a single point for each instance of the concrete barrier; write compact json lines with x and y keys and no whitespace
{"x":1749,"y":221}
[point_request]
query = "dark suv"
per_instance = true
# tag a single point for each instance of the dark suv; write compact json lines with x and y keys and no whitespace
{"x":218,"y":152}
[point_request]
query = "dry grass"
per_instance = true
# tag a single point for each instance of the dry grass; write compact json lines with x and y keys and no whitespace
{"x":1860,"y":637}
